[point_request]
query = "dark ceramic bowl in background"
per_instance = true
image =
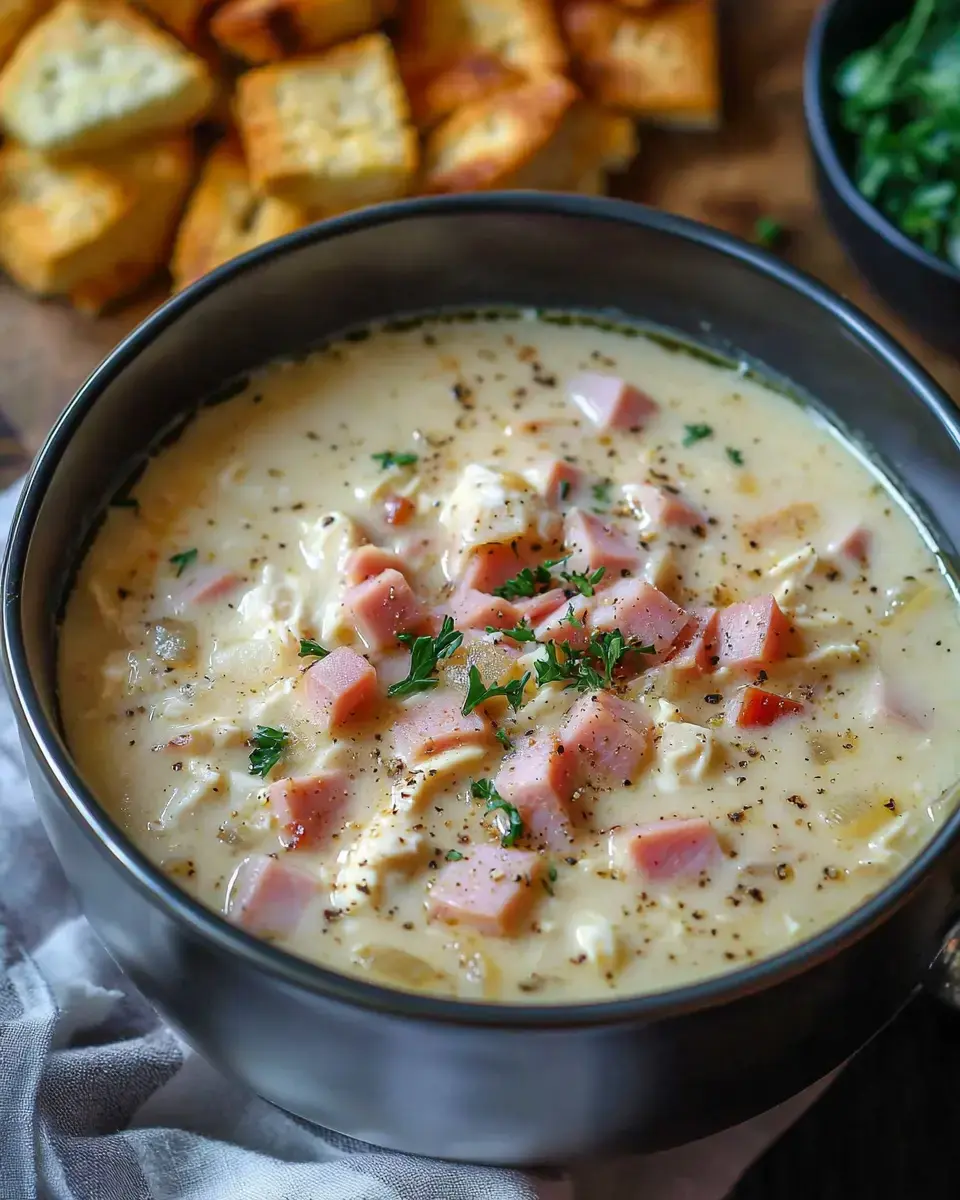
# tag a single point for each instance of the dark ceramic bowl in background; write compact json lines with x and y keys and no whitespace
{"x":921,"y":288}
{"x":499,"y":1083}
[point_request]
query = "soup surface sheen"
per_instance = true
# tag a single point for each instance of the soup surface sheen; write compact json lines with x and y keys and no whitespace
{"x":726,"y":739}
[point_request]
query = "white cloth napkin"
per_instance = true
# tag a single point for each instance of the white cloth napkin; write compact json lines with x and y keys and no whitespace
{"x":99,"y":1100}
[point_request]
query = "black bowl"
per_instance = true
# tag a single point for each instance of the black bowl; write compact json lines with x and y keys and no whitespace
{"x":919,"y":286}
{"x":500,"y":1083}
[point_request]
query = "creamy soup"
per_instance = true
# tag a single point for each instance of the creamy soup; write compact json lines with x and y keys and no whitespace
{"x":515,"y":659}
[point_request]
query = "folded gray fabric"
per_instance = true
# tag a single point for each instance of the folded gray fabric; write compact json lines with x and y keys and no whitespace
{"x":100,"y":1101}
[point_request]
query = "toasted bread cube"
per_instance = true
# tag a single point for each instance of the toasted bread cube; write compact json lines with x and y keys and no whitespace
{"x":93,"y":74}
{"x":590,"y":143}
{"x":16,"y":17}
{"x":332,"y":132}
{"x":93,"y":231}
{"x":185,"y":18}
{"x":662,"y":65}
{"x":226,"y":217}
{"x":466,"y":80}
{"x":262,"y":31}
{"x":482,"y":145}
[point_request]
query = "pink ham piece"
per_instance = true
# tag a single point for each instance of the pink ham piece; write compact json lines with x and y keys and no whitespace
{"x":887,"y":703}
{"x":663,"y":508}
{"x":268,"y":898}
{"x":607,"y":738}
{"x":558,"y":627}
{"x":695,"y":651}
{"x":610,"y":402}
{"x":641,"y":613}
{"x":535,"y":608}
{"x":538,"y":780}
{"x":679,"y":849}
{"x":206,"y":585}
{"x":382,"y":607}
{"x":490,"y":888}
{"x":311,"y":809}
{"x":431,"y":724}
{"x":593,"y":543}
{"x":753,"y":707}
{"x":367,"y":561}
{"x":489,"y":567}
{"x":854,"y":546}
{"x":557,"y":481}
{"x":340,"y":688}
{"x":752,"y":634}
{"x":471,"y":609}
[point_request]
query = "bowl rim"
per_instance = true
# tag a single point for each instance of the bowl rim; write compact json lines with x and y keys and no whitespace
{"x":824,"y":148}
{"x":210,"y":927}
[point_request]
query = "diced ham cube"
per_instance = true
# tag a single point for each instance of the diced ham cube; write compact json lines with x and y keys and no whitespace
{"x":557,"y":481}
{"x":382,"y":607}
{"x":610,"y":402}
{"x":538,"y":780}
{"x":490,"y":888}
{"x":696,"y":648}
{"x":678,"y":849}
{"x":432,"y":724}
{"x":752,"y":634}
{"x":340,"y":688}
{"x":606,"y":737}
{"x":753,"y":707}
{"x":206,"y":585}
{"x":535,"y":608}
{"x":663,"y":508}
{"x":567,"y":623}
{"x":594,"y":543}
{"x":471,"y":609}
{"x":398,"y":510}
{"x":367,"y":561}
{"x":641,"y":613}
{"x":887,"y":703}
{"x":854,"y":546}
{"x":311,"y":809}
{"x":489,"y":567}
{"x":268,"y":898}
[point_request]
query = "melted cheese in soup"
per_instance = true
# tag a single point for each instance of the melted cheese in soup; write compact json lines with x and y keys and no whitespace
{"x":515,"y":660}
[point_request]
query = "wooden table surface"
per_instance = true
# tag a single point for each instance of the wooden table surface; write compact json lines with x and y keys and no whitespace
{"x":885,"y":1129}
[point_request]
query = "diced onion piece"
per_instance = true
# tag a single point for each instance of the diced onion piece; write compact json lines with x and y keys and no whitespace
{"x":397,"y":967}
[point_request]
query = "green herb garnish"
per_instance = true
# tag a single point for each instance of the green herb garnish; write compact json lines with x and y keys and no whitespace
{"x":550,"y":880}
{"x":477,"y":693}
{"x":183,"y":560}
{"x":268,"y":747}
{"x":483,"y":789}
{"x":529,"y":581}
{"x":900,"y":100}
{"x":388,"y":458}
{"x":589,"y":669}
{"x":584,"y":583}
{"x":521,"y":632}
{"x":425,"y":654}
{"x":311,"y":649}
{"x":768,"y":232}
{"x":601,"y":491}
{"x":735,"y":456}
{"x":564,"y":488}
{"x":696,"y":433}
{"x":453,"y":856}
{"x":503,"y":739}
{"x":571,"y":619}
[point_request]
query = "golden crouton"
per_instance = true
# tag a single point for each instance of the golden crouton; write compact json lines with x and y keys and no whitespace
{"x":226,"y":217}
{"x":662,"y":65}
{"x":185,"y":18}
{"x":93,"y":230}
{"x":93,"y":74}
{"x":486,"y":143}
{"x":16,"y":17}
{"x":464,"y":81}
{"x":332,"y":132}
{"x":590,"y":143}
{"x":266,"y":30}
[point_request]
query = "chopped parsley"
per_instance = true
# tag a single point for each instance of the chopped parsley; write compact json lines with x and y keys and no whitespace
{"x":268,"y":747}
{"x":425,"y":654}
{"x":521,"y":632}
{"x":601,"y":491}
{"x":183,"y":560}
{"x":529,"y":581}
{"x":588,"y":669}
{"x":503,"y":739}
{"x":453,"y":856}
{"x":552,"y":873}
{"x":584,"y":583}
{"x":564,"y":488}
{"x":550,"y":879}
{"x":477,"y":693}
{"x":572,"y":619}
{"x":311,"y":649}
{"x":696,"y":433}
{"x":388,"y":458}
{"x":483,"y":789}
{"x":735,"y":456}
{"x":768,"y":232}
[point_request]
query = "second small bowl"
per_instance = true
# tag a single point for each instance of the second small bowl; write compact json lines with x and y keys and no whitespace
{"x":923,"y":289}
